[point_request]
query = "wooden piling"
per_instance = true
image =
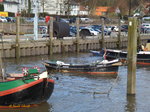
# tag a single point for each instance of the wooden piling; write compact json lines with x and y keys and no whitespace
{"x":119,"y":35}
{"x":62,"y":47}
{"x":139,"y":36}
{"x":17,"y":38}
{"x":51,"y":36}
{"x":77,"y":38}
{"x":132,"y":51}
{"x":102,"y":39}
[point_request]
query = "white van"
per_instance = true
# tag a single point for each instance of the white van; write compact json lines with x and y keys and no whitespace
{"x":145,"y":25}
{"x":146,"y":19}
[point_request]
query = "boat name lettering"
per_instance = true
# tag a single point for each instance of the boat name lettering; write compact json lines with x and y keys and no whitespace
{"x":19,"y":105}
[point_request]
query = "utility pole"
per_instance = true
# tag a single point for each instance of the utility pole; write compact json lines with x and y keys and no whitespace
{"x":36,"y":20}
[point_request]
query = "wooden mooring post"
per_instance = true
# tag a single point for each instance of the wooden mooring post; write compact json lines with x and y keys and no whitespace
{"x":102,"y":39}
{"x":51,"y":36}
{"x":17,"y":46}
{"x":62,"y":47}
{"x":119,"y":34}
{"x":132,"y":55}
{"x":139,"y":36}
{"x":77,"y":38}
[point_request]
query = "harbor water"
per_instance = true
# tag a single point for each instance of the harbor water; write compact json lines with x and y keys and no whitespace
{"x":85,"y":93}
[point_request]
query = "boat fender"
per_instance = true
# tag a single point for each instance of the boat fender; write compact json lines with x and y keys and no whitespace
{"x":104,"y":61}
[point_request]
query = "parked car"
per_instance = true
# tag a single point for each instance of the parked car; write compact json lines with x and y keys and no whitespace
{"x":124,"y":28}
{"x":86,"y":20}
{"x":10,"y":19}
{"x":3,"y":19}
{"x":112,"y":28}
{"x":146,"y":19}
{"x":99,"y":29}
{"x":29,"y":20}
{"x":42,"y":20}
{"x":145,"y":25}
{"x":43,"y":29}
{"x":87,"y":31}
{"x":72,"y":20}
{"x":144,"y":30}
{"x":64,"y":20}
{"x":73,"y":31}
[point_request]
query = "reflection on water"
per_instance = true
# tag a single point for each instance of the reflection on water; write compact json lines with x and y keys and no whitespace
{"x":74,"y":92}
{"x":131,"y":104}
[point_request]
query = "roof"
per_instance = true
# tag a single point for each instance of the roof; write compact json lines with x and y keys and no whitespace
{"x":10,"y":2}
{"x":100,"y":10}
{"x":82,"y":8}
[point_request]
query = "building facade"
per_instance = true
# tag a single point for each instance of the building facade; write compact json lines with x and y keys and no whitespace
{"x":53,"y":7}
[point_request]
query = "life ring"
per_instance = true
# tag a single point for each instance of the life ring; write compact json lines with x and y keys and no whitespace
{"x":25,"y":70}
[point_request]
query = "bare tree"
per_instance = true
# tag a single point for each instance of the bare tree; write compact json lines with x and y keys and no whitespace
{"x":29,"y":6}
{"x":67,"y":6}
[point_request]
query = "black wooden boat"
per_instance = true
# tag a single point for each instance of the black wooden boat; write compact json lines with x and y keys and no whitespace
{"x":104,"y":67}
{"x":30,"y":89}
{"x":143,"y":57}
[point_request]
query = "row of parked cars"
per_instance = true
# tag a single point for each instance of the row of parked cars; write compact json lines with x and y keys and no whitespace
{"x":145,"y":28}
{"x":25,"y":19}
{"x":94,"y":30}
{"x":7,"y":19}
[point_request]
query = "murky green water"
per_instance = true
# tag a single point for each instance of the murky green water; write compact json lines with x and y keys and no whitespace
{"x":75,"y":92}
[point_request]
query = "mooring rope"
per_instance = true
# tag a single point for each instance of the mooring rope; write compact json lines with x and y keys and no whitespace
{"x":110,"y":89}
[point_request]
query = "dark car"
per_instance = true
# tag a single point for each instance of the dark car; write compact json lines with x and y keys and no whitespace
{"x":145,"y":30}
{"x":124,"y":28}
{"x":72,"y":20}
{"x":73,"y":30}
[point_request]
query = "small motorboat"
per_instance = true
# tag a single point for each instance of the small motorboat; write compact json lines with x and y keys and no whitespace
{"x":103,"y":67}
{"x":143,"y":57}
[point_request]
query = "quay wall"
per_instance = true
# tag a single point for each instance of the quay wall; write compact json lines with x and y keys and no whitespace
{"x":41,"y":47}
